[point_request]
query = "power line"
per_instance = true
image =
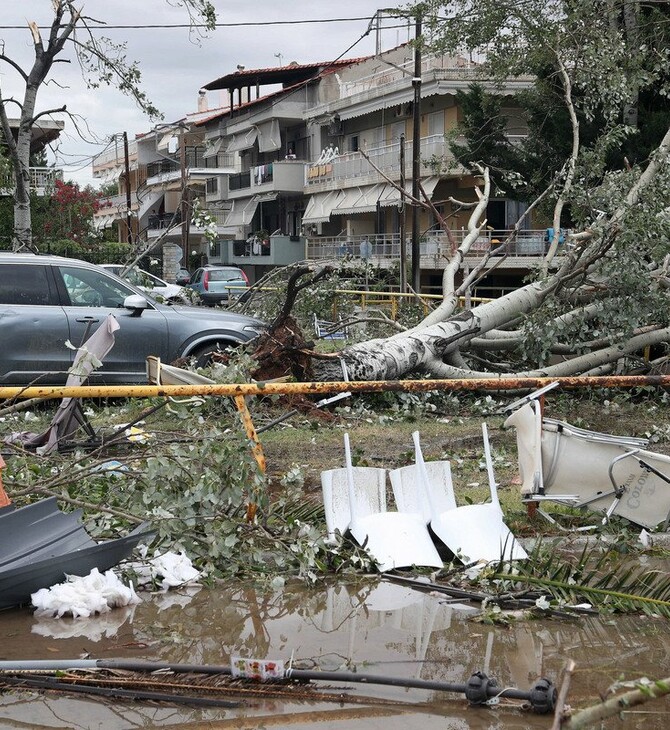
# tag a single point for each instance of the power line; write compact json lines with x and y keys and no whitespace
{"x":105,"y":26}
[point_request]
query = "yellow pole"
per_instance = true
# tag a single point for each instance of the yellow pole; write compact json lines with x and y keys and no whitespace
{"x":256,"y":449}
{"x":318,"y":388}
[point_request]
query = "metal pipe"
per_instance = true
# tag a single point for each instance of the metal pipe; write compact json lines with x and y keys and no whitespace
{"x":477,"y":689}
{"x":52,"y":683}
{"x":319,"y":388}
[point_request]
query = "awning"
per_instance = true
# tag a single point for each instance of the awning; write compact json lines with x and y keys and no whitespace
{"x":391,"y":195}
{"x":367,"y":203}
{"x":243,"y":140}
{"x":242,"y":212}
{"x":213,"y":148}
{"x":269,"y":137}
{"x":164,"y":142}
{"x":319,"y":207}
{"x":347,"y":202}
{"x":266,"y":197}
{"x":101,"y":222}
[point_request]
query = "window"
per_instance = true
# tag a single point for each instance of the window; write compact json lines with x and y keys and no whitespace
{"x":436,"y":123}
{"x":353,"y":143}
{"x":21,"y":284}
{"x":88,"y":288}
{"x":212,"y":185}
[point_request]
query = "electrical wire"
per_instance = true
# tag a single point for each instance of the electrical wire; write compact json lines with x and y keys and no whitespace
{"x":243,"y":24}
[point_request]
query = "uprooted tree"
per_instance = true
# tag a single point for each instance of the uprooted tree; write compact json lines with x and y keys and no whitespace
{"x":595,"y":307}
{"x":71,"y":36}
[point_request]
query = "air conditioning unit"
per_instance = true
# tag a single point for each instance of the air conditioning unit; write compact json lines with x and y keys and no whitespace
{"x":402,"y":111}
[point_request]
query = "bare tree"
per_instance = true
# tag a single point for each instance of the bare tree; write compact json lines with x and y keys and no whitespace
{"x":101,"y":61}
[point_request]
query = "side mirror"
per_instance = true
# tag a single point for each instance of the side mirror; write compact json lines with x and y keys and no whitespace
{"x":136,"y":303}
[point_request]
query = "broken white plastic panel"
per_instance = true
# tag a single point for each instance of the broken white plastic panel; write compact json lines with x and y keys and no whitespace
{"x":411,"y":496}
{"x":393,"y":539}
{"x":369,"y":495}
{"x":474,"y":532}
{"x":604,"y":473}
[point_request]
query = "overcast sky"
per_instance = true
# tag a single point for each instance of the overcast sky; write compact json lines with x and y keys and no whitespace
{"x":174,"y":63}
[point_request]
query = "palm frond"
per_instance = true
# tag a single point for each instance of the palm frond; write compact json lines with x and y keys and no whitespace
{"x":604,"y":579}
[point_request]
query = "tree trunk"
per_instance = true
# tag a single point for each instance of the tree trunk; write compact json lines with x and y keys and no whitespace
{"x":424,"y":349}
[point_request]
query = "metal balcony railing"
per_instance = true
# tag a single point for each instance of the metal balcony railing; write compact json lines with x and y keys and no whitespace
{"x":434,"y":152}
{"x":162,"y":221}
{"x":42,"y":180}
{"x":386,"y":247}
{"x":160,"y":167}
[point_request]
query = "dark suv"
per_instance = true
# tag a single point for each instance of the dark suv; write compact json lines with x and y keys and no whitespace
{"x":46,"y":301}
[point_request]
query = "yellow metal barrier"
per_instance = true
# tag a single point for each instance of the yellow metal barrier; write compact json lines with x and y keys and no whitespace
{"x":317,"y":388}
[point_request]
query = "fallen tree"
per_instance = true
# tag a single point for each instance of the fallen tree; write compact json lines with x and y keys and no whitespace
{"x":596,"y":307}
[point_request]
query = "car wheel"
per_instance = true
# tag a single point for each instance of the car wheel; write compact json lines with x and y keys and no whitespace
{"x":203,"y":356}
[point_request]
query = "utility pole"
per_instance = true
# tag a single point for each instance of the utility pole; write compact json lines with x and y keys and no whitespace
{"x":416,"y":156}
{"x":129,"y":202}
{"x":183,"y":209}
{"x":402,"y":220}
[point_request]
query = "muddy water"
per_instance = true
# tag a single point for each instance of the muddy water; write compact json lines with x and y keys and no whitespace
{"x":374,"y":628}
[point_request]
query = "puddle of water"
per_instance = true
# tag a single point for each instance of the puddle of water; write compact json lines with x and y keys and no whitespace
{"x":374,"y":628}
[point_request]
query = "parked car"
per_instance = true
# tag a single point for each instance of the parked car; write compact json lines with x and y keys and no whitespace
{"x":150,"y":283}
{"x":46,"y":301}
{"x":183,"y":276}
{"x":216,"y":284}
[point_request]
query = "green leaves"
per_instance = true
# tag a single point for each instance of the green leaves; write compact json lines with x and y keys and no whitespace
{"x":600,"y":577}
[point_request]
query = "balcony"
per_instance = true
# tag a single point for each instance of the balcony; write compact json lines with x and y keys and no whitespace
{"x":162,"y":171}
{"x":283,"y":176}
{"x":352,"y":168}
{"x":435,"y":248}
{"x":197,"y":165}
{"x":278,"y":251}
{"x":42,"y":181}
{"x":157,"y":225}
{"x":401,"y":76}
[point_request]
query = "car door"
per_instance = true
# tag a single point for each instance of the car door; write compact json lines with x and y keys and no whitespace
{"x":33,"y":326}
{"x":196,"y":280}
{"x":91,"y":294}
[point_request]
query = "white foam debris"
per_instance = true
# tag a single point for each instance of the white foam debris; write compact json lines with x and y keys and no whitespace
{"x":175,"y":569}
{"x":84,"y":596}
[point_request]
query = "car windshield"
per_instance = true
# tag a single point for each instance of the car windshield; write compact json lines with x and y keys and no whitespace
{"x":224,"y":275}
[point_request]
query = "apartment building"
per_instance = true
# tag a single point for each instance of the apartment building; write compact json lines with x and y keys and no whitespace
{"x":159,"y":176}
{"x":305,"y":161}
{"x":320,"y":149}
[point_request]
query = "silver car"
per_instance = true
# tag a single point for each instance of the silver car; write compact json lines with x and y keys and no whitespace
{"x":153,"y":285}
{"x":46,"y":301}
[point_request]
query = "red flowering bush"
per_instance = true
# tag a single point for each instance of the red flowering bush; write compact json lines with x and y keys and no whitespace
{"x":71,"y":212}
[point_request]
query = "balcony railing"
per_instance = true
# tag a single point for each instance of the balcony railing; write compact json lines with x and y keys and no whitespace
{"x":161,"y":167}
{"x":42,"y":180}
{"x":461,"y":66}
{"x":163,"y":221}
{"x":240,"y":181}
{"x":434,"y":152}
{"x":433,"y":244}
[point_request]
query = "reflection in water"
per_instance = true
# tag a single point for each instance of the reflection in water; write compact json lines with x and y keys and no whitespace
{"x":378,"y":627}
